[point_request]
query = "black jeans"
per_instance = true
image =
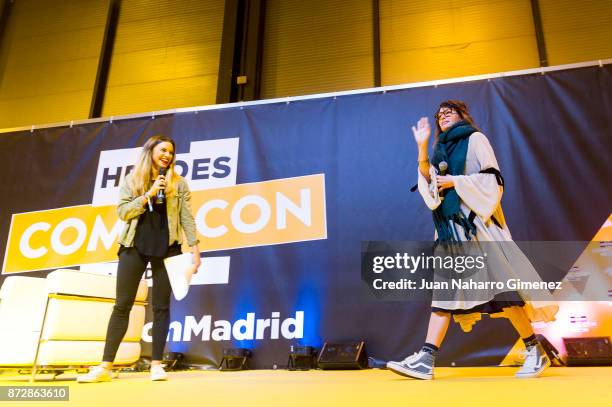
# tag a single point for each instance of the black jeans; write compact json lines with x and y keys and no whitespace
{"x":129,"y":272}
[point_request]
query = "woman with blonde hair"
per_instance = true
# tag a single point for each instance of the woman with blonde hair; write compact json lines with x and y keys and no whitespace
{"x":462,"y":185}
{"x":152,"y":233}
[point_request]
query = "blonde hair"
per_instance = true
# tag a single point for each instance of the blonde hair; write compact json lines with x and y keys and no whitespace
{"x":142,"y":175}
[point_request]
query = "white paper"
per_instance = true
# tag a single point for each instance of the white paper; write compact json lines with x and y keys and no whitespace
{"x":180,"y":269}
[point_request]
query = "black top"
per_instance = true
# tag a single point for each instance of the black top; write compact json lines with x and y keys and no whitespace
{"x":152,"y":231}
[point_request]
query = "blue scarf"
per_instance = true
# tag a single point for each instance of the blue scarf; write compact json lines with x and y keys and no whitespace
{"x":452,"y":147}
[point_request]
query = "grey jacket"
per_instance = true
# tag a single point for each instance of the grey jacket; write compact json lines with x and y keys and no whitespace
{"x":178,"y":207}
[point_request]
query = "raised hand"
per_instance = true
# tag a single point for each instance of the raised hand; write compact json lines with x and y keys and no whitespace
{"x":422,"y":131}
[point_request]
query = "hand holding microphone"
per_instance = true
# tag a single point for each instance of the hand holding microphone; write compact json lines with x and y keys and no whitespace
{"x":444,"y":181}
{"x":161,"y":193}
{"x":158,"y":188}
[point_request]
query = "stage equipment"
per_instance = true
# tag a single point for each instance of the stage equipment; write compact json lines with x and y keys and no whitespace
{"x":374,"y":363}
{"x":302,"y":358}
{"x":347,"y":355}
{"x":235,"y":359}
{"x":174,"y":361}
{"x":594,"y":351}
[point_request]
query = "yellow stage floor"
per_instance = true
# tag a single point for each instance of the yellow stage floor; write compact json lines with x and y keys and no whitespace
{"x":482,"y":386}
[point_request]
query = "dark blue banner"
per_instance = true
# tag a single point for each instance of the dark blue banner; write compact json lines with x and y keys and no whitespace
{"x":551,"y":134}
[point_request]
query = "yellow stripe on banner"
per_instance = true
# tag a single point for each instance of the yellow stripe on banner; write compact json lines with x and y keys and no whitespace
{"x":262,"y":213}
{"x":256,"y":214}
{"x":64,"y":237}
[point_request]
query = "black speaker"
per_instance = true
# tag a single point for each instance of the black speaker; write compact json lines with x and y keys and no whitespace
{"x":595,"y":351}
{"x":348,"y":355}
{"x":235,"y":359}
{"x":301,"y":357}
{"x":174,"y":361}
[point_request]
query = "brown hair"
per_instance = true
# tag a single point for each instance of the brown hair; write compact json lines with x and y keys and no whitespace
{"x":143,"y":172}
{"x":457,"y":105}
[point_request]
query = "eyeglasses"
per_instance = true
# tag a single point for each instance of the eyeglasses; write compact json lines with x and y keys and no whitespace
{"x":445,"y":113}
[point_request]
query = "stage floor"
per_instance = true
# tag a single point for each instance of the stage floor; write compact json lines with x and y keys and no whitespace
{"x":481,"y":386}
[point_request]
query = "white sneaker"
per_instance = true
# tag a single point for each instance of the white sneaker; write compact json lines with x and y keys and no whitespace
{"x":158,"y":373}
{"x":419,"y":366}
{"x":96,"y":374}
{"x":536,"y":361}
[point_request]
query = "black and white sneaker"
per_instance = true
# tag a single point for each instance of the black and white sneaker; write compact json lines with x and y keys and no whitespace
{"x":419,"y":366}
{"x":536,"y":361}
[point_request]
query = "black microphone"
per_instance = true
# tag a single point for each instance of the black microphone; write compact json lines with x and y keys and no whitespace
{"x":160,"y":198}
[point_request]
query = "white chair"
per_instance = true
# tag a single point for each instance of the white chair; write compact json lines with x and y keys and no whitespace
{"x":59,"y":322}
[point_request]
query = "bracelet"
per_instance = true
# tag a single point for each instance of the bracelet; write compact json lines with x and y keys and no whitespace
{"x":148,"y":198}
{"x":426,"y":160}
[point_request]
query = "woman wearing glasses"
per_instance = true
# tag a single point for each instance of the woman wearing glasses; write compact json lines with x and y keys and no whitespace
{"x":462,"y":185}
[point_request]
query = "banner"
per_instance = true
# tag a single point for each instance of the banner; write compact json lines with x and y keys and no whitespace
{"x":285,"y":193}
